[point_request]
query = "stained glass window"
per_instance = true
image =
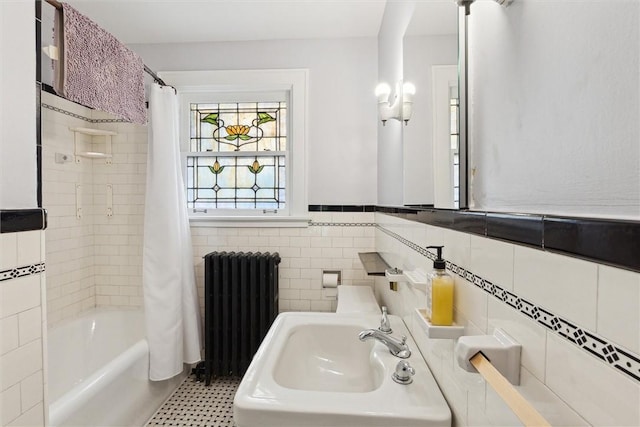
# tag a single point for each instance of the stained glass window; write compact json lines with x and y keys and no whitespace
{"x":238,"y":156}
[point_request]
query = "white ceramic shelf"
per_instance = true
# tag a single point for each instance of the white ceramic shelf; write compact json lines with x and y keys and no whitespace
{"x":417,"y":278}
{"x":93,"y":132}
{"x":107,"y":134}
{"x":94,"y":155}
{"x":443,"y":332}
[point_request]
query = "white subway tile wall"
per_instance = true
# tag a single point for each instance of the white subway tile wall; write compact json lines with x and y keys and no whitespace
{"x":331,"y":242}
{"x":618,"y":296}
{"x":69,"y":240}
{"x":21,"y":330}
{"x":566,"y":383}
{"x":597,"y":392}
{"x":118,"y":238}
{"x":94,"y":260}
{"x":564,"y":285}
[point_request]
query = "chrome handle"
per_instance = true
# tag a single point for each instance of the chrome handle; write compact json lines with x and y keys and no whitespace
{"x":404,"y":372}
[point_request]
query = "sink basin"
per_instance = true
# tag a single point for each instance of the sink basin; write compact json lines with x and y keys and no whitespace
{"x":312,"y":370}
{"x":312,"y":359}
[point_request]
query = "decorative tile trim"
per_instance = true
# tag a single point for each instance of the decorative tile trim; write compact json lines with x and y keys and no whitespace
{"x":341,"y":224}
{"x":65,"y":112}
{"x":611,"y":354}
{"x":422,"y":251}
{"x":27,"y":270}
{"x":78,"y":116}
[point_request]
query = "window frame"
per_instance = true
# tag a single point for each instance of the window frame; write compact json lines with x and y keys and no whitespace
{"x":195,"y":86}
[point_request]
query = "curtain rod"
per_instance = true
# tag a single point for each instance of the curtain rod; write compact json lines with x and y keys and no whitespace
{"x":147,"y":70}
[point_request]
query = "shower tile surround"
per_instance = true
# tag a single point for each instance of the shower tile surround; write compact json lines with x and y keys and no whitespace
{"x":577,"y":321}
{"x":94,"y":260}
{"x":22,"y":383}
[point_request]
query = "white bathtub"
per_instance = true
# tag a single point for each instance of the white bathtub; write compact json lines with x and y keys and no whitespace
{"x":98,"y":371}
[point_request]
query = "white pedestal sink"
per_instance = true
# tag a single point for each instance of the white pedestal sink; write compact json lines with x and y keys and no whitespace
{"x":312,"y":370}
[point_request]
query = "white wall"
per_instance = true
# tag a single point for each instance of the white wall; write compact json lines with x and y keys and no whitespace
{"x":390,"y":154}
{"x":17,"y":105}
{"x":342,"y":110}
{"x":555,"y":95}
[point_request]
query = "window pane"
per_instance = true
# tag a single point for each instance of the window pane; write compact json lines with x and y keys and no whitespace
{"x":244,"y":182}
{"x":245,"y":126}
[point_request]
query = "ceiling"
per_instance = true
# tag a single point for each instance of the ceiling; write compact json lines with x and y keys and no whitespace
{"x":177,"y":21}
{"x":181,"y":21}
{"x":433,"y":18}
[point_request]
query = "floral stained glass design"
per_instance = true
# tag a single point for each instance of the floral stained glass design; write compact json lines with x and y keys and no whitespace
{"x":238,"y":156}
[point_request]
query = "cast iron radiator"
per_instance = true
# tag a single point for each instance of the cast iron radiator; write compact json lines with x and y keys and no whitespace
{"x":240,"y":304}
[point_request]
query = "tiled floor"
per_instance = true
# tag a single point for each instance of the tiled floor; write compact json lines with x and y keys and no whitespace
{"x":195,"y":405}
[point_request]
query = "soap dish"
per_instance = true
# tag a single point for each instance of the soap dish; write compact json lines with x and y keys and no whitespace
{"x":438,"y":332}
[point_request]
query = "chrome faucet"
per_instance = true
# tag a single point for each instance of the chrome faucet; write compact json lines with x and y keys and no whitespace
{"x":397,"y":347}
{"x":385,"y":326}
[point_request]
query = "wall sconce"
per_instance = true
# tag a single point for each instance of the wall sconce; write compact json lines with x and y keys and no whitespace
{"x":396,"y":109}
{"x":408,"y":90}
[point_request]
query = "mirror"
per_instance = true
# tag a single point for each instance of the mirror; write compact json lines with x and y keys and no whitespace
{"x":431,"y":142}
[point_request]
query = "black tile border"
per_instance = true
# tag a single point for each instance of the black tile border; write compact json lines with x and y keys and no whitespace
{"x":18,"y":220}
{"x":606,"y":241}
{"x":38,"y":52}
{"x":615,"y":356}
{"x":39,"y":144}
{"x":612,"y":242}
{"x":342,"y":208}
{"x":38,"y":112}
{"x":520,"y":228}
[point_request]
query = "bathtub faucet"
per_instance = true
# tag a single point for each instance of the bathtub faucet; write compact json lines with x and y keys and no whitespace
{"x":397,"y":347}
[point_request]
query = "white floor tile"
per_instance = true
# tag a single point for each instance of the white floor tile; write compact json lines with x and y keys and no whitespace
{"x":195,"y":405}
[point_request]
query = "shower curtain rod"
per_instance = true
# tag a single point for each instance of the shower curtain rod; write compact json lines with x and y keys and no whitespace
{"x":147,"y":70}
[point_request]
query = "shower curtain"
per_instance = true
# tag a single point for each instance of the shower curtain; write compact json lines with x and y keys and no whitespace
{"x":170,"y":297}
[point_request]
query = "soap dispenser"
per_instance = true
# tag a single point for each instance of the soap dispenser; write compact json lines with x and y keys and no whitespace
{"x":439,"y":292}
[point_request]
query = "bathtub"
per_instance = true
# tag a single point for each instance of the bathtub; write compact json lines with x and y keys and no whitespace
{"x":98,"y":367}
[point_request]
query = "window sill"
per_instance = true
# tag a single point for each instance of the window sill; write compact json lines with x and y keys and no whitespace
{"x":250,"y":221}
